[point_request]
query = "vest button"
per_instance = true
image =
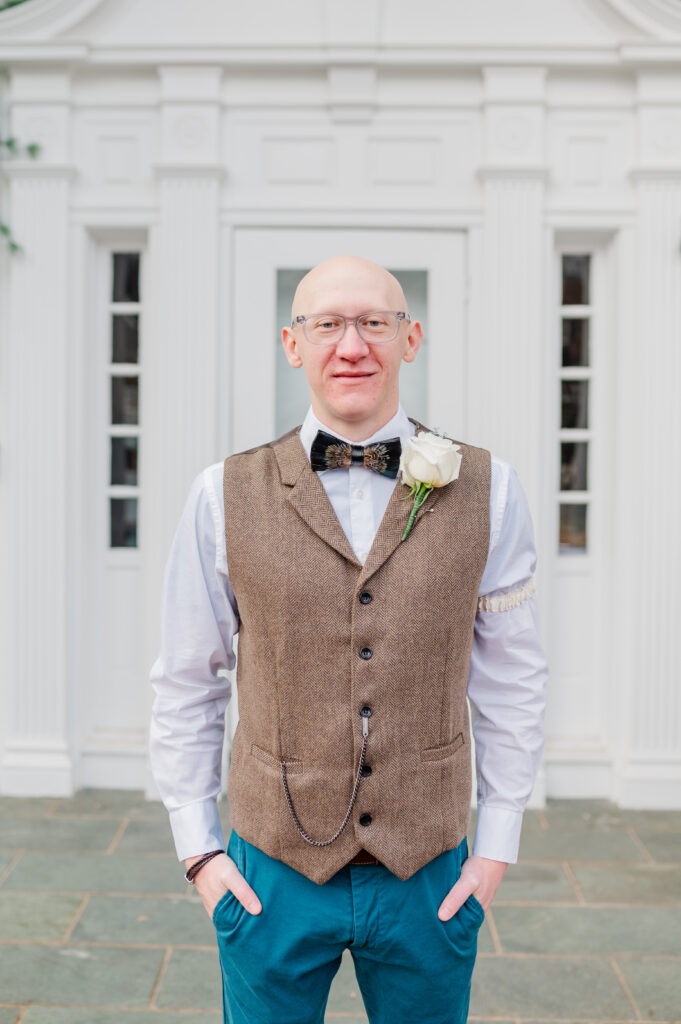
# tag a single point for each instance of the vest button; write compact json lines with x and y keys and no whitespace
{"x":365,"y":711}
{"x":365,"y":819}
{"x":366,"y":769}
{"x":366,"y":653}
{"x":365,"y":597}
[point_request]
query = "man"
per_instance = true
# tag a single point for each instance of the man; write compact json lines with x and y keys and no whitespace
{"x":349,"y":784}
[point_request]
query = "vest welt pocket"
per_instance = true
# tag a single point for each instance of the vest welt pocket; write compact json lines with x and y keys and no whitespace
{"x":440,"y":753}
{"x":293,"y":764}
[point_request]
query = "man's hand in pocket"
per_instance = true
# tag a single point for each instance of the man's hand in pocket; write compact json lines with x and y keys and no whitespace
{"x":216,"y":877}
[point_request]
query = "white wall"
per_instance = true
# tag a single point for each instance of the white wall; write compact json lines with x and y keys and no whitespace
{"x":176,"y":129}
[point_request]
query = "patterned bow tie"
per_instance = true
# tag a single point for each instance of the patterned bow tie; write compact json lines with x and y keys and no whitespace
{"x":329,"y":452}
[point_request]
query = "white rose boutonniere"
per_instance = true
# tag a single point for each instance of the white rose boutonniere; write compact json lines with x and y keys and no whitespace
{"x":428,"y":461}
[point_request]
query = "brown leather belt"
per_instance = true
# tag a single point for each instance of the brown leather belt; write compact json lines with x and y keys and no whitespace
{"x":364,"y":857}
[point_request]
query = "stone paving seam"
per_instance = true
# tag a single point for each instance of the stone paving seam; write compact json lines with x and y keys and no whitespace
{"x":541,"y":817}
{"x":635,"y":838}
{"x":563,"y":905}
{"x":119,"y":833}
{"x":491,"y":924}
{"x":119,"y":894}
{"x":59,"y":943}
{"x":339,"y":1013}
{"x":512,"y":955}
{"x":159,"y":978}
{"x":66,"y":937}
{"x":576,"y":887}
{"x":566,"y":1020}
{"x":23,"y":1007}
{"x":627,"y":991}
{"x":4,"y":875}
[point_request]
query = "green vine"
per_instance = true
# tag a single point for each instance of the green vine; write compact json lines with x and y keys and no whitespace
{"x":12,"y":147}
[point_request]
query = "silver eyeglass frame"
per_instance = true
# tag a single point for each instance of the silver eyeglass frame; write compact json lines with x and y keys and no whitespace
{"x":301,"y":321}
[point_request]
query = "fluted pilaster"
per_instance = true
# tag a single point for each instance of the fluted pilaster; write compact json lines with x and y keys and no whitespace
{"x":37,"y":756}
{"x":184,"y":336}
{"x":651,"y":491}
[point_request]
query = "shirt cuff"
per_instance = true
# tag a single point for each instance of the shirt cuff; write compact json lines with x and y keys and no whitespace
{"x":497,"y":833}
{"x":197,"y":829}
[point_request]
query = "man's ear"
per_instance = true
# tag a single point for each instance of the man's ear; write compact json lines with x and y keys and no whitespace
{"x":414,"y":339}
{"x":288,"y":340}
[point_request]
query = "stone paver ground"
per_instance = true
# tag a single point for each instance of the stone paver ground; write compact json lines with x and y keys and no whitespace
{"x":97,"y":925}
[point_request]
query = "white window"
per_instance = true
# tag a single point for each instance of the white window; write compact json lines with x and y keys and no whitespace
{"x":575,"y":427}
{"x":124,"y":399}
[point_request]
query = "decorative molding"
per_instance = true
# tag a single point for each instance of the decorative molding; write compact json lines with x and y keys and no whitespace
{"x":529,"y":172}
{"x":649,"y":173}
{"x":34,"y":169}
{"x":37,"y":54}
{"x":36,"y":769}
{"x":291,"y":160}
{"x":403,"y":160}
{"x":353,"y":92}
{"x":44,"y":19}
{"x":650,"y":783}
{"x":514,"y":85}
{"x":659,"y":17}
{"x":647,"y":54}
{"x":425,"y":58}
{"x":179,"y":170}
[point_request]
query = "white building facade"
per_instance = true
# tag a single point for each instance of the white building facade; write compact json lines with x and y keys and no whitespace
{"x":518,"y":166}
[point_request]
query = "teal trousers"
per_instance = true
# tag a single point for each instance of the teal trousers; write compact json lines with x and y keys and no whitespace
{"x":411,"y":967}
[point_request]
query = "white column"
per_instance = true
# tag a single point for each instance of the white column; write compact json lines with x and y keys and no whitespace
{"x":507,"y":336}
{"x":36,"y":755}
{"x":182,"y":367}
{"x":508,"y":276}
{"x":649,"y":483}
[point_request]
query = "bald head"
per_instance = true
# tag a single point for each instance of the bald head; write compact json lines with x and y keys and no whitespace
{"x":332,"y":285}
{"x":354,"y":384}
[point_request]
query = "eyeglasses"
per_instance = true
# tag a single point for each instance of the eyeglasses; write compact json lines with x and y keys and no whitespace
{"x":329,"y":328}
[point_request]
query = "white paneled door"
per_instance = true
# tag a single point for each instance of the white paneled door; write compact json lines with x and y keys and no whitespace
{"x":268,"y":397}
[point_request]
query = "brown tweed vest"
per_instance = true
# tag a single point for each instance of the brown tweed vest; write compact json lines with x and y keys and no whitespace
{"x":322,"y":636}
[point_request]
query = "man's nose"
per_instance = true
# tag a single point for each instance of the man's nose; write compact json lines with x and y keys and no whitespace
{"x":351,"y":345}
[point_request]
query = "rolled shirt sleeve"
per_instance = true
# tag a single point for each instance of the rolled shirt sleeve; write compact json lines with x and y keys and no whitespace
{"x":508,"y":673}
{"x":199,"y":619}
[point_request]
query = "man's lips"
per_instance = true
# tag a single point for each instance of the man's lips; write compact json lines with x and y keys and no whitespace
{"x":354,"y":376}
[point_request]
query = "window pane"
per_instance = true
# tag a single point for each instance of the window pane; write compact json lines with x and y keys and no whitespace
{"x":126,"y":271}
{"x":123,"y":522}
{"x":574,"y":404}
{"x":124,"y":399}
{"x":124,"y":460}
{"x":573,"y":466}
{"x":572,"y":531}
{"x":124,"y":328}
{"x":575,"y":342}
{"x":576,"y":280}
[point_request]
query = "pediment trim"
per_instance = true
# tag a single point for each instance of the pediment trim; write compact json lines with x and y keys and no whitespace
{"x":660,"y":18}
{"x":44,"y":19}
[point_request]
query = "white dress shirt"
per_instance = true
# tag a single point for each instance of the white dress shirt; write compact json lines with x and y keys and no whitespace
{"x":199,"y":620}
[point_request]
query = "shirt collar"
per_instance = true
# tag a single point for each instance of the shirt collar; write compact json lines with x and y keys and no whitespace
{"x":398,"y":426}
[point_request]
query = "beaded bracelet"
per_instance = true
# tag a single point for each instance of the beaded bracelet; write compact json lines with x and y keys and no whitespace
{"x":193,"y":870}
